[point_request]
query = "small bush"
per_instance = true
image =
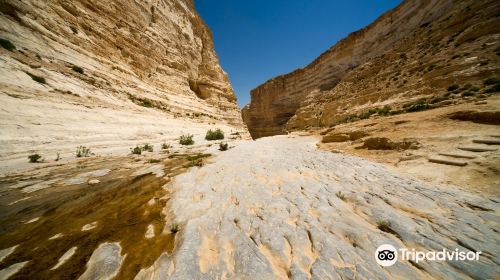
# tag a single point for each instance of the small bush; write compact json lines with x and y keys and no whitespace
{"x":77,"y":69}
{"x":340,"y":195}
{"x":453,"y":87}
{"x":174,"y":228}
{"x":34,"y":157}
{"x":82,"y":151}
{"x":136,"y":151}
{"x":58,"y":157}
{"x":495,"y":88}
{"x":6,"y":44}
{"x":384,"y":226}
{"x":475,"y":89}
{"x":483,"y":63}
{"x":223,"y":147}
{"x":147,"y":148}
{"x":154,"y":161}
{"x":37,"y":79}
{"x":467,"y":93}
{"x":491,"y":81}
{"x":186,"y":139}
{"x":214,"y":134}
{"x":165,"y":146}
{"x":417,"y":107}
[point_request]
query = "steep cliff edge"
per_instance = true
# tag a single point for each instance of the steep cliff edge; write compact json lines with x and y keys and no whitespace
{"x":106,"y":74}
{"x":414,"y":51}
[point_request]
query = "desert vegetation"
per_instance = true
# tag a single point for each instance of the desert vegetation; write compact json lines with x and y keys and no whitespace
{"x":186,"y":139}
{"x":34,"y":158}
{"x":217,"y":134}
{"x":82,"y":151}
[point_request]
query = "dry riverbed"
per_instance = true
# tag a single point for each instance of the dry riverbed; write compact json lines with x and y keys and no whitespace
{"x":274,"y":208}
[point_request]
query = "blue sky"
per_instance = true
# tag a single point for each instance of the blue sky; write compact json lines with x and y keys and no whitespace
{"x":257,"y":40}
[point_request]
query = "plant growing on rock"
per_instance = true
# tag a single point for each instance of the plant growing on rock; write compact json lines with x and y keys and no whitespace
{"x":186,"y":139}
{"x":174,"y":228}
{"x":147,"y":148}
{"x":6,"y":44}
{"x":453,"y":87}
{"x":136,"y":151}
{"x":37,"y":79}
{"x":82,"y":151}
{"x":214,"y":134}
{"x":77,"y":69}
{"x":165,"y":146}
{"x":34,"y":158}
{"x":340,"y":195}
{"x":223,"y":146}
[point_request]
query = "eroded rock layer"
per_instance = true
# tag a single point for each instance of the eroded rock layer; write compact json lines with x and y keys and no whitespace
{"x":414,"y":51}
{"x":116,"y":70}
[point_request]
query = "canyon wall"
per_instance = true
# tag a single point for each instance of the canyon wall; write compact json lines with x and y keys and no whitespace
{"x":107,"y":73}
{"x":405,"y":54}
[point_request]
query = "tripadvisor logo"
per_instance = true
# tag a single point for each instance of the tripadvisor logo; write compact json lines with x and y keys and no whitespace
{"x":388,"y":255}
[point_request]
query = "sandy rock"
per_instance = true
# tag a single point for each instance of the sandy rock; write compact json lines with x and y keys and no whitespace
{"x":93,"y":182}
{"x":285,"y":219}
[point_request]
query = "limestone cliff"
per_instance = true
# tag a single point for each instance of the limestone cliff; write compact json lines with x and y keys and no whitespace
{"x":414,"y":51}
{"x":107,"y":72}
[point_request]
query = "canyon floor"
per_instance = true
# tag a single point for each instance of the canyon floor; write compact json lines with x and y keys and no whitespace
{"x":274,"y":208}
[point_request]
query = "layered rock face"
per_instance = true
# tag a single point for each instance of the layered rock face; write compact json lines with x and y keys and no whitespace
{"x":413,"y":51}
{"x":106,"y":73}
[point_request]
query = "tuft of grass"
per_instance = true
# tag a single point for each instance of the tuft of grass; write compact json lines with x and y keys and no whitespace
{"x":34,"y":158}
{"x":6,"y":44}
{"x":165,"y":146}
{"x":77,"y":69}
{"x":37,"y":79}
{"x":147,"y":148}
{"x":214,"y":134}
{"x":384,"y":226}
{"x":186,"y":139}
{"x":223,"y":146}
{"x":420,"y":106}
{"x":174,"y":228}
{"x":491,"y":81}
{"x":82,"y":151}
{"x":136,"y":151}
{"x":340,"y":195}
{"x":453,"y":87}
{"x":495,"y":88}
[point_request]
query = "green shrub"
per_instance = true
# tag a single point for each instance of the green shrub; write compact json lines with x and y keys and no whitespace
{"x":223,"y":147}
{"x":77,"y":69}
{"x":467,"y":93}
{"x":147,"y":148}
{"x":384,"y":226}
{"x":495,"y":88}
{"x":475,"y":89}
{"x":186,"y":139}
{"x":6,"y":44}
{"x":491,"y":81}
{"x":174,"y":228}
{"x":34,"y":157}
{"x":36,"y":78}
{"x":453,"y":87}
{"x":136,"y":151}
{"x":417,"y":107}
{"x":340,"y":195}
{"x":214,"y":134}
{"x":165,"y":146}
{"x":82,"y":151}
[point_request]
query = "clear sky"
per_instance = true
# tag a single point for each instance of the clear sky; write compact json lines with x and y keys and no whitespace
{"x":257,"y":40}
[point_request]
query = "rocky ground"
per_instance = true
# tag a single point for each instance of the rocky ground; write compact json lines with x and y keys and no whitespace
{"x":273,"y":208}
{"x":408,"y":143}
